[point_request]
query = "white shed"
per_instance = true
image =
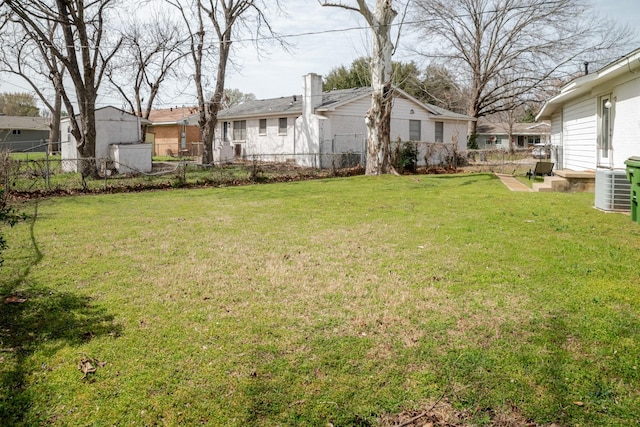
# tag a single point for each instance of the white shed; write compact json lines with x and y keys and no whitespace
{"x":114,"y":127}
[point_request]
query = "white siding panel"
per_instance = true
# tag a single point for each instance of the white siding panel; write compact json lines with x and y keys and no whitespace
{"x":273,"y":143}
{"x":579,"y":134}
{"x":356,"y":108}
{"x":626,"y":122}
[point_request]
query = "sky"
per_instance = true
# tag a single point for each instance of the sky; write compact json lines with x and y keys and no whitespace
{"x":280,"y":73}
{"x":321,"y":38}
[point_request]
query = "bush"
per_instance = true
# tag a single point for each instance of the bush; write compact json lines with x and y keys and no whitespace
{"x":406,"y":157}
{"x":9,"y":216}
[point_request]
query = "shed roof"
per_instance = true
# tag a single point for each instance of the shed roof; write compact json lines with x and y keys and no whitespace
{"x":24,"y":123}
{"x":171,"y":115}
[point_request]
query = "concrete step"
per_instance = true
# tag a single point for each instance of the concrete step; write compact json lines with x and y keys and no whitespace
{"x":551,"y":184}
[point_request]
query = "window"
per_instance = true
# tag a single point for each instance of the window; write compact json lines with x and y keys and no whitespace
{"x":239,"y":130}
{"x":262,"y":130}
{"x":16,"y":131}
{"x":225,"y":131}
{"x":439,"y":132}
{"x":415,"y":133}
{"x":282,"y":126}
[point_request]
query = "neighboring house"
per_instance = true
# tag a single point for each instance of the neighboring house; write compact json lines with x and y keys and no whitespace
{"x":19,"y":133}
{"x":595,"y":122}
{"x":523,"y":135}
{"x":311,"y":128}
{"x":117,"y":142}
{"x":174,"y":131}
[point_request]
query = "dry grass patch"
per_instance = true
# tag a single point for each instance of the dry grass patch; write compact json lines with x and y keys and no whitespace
{"x":444,"y":414}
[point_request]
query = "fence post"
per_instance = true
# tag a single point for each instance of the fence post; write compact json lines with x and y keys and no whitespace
{"x":104,"y":172}
{"x":46,"y":161}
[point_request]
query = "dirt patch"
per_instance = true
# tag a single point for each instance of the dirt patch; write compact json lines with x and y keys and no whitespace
{"x":443,"y":414}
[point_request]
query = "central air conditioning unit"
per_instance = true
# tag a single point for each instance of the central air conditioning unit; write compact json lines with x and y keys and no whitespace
{"x":613,"y":190}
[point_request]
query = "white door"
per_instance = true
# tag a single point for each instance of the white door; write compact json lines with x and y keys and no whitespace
{"x":605,"y":132}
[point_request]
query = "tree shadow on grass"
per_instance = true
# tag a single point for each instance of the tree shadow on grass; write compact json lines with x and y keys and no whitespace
{"x":34,"y":317}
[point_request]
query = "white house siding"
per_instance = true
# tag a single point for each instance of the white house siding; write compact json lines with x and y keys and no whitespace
{"x":626,"y":122}
{"x":310,"y":134}
{"x":272,"y":143}
{"x":579,"y":134}
{"x":347,"y":133}
{"x":400,"y":116}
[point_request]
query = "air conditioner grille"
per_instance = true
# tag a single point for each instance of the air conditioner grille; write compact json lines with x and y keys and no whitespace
{"x":613,"y":190}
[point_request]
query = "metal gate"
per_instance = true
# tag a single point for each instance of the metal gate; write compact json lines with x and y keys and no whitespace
{"x":343,"y":151}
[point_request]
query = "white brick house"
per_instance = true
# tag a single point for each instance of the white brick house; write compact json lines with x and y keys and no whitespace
{"x":304,"y":128}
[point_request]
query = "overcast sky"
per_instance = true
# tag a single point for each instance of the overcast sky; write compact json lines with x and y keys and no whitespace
{"x":319,"y":44}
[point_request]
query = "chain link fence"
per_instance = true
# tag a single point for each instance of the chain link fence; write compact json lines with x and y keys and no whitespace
{"x":514,"y":162}
{"x":46,"y":174}
{"x":33,"y":172}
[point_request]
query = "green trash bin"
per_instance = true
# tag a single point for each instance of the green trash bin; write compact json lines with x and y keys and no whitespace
{"x":633,"y":174}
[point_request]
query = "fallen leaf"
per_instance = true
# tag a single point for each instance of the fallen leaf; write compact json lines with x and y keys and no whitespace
{"x":14,"y":299}
{"x":578,"y":403}
{"x":89,"y":365}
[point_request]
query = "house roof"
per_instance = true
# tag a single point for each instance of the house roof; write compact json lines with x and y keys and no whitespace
{"x":24,"y":123}
{"x":290,"y":105}
{"x":171,"y":116}
{"x":626,"y":64}
{"x":502,"y":128}
{"x":331,"y":100}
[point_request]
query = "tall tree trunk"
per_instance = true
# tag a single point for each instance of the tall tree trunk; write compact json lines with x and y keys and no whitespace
{"x":378,"y":118}
{"x":216,"y":101}
{"x":86,"y":144}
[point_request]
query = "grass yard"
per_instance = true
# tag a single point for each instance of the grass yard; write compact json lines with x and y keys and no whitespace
{"x":327,"y":302}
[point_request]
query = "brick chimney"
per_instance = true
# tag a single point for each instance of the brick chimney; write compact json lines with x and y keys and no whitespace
{"x":312,"y":95}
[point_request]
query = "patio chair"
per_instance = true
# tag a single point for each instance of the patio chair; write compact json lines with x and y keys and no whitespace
{"x":541,"y":169}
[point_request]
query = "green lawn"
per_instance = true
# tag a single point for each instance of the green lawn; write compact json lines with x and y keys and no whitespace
{"x":327,"y":302}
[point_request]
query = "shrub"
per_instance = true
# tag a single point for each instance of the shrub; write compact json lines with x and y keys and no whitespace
{"x":9,"y":216}
{"x":406,"y":157}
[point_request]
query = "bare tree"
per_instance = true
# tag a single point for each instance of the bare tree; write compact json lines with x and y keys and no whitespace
{"x":200,"y":56}
{"x":23,"y":56}
{"x":150,"y":53}
{"x":80,"y":48}
{"x":229,"y":18}
{"x":508,"y":49}
{"x":235,"y":97}
{"x":378,"y":117}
